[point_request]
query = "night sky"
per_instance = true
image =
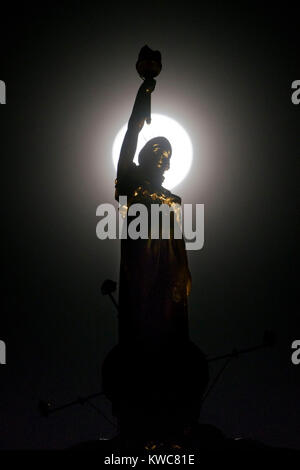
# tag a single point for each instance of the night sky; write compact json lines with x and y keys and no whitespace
{"x":71,"y":83}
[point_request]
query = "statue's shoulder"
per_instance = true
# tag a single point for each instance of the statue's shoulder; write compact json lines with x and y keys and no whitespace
{"x":173,"y":197}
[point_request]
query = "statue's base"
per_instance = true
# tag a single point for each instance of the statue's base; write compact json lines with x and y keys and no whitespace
{"x":157,"y":392}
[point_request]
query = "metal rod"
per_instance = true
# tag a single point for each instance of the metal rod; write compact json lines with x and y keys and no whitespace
{"x":216,"y":378}
{"x":114,"y":301}
{"x":235,"y":353}
{"x":101,"y":413}
{"x":45,"y":406}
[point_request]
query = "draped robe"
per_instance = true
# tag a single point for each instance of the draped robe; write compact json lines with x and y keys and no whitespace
{"x":154,"y":276}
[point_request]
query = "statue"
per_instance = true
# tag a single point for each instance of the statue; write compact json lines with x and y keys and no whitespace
{"x":155,"y":280}
{"x":155,"y":376}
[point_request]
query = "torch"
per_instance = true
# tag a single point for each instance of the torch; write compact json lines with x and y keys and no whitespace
{"x":148,"y":66}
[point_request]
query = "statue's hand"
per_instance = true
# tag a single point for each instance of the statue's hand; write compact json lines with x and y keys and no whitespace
{"x":149,"y":85}
{"x":140,"y":109}
{"x":141,"y":106}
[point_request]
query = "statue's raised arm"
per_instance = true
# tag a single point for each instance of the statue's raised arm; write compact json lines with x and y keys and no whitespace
{"x":136,"y":122}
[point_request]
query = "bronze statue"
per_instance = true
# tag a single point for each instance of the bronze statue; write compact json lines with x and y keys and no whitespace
{"x":155,"y":279}
{"x":155,"y":376}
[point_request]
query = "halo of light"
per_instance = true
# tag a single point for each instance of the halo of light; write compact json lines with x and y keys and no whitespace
{"x":182,"y":149}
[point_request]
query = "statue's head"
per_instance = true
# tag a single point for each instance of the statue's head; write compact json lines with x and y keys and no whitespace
{"x":155,"y":155}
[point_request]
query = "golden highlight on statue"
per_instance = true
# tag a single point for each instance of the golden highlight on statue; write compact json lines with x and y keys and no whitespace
{"x":155,"y":280}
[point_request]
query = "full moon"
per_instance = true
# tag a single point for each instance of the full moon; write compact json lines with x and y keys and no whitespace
{"x":182,"y":149}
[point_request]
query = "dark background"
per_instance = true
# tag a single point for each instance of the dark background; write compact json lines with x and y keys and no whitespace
{"x":71,"y":81}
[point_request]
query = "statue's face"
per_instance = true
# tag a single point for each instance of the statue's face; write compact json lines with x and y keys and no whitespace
{"x":155,"y":156}
{"x":163,"y":155}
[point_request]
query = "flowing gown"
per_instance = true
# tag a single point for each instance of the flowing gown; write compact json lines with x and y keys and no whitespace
{"x":154,"y":275}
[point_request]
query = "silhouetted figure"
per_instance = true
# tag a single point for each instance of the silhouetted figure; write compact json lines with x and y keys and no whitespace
{"x":154,"y":276}
{"x":155,"y":377}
